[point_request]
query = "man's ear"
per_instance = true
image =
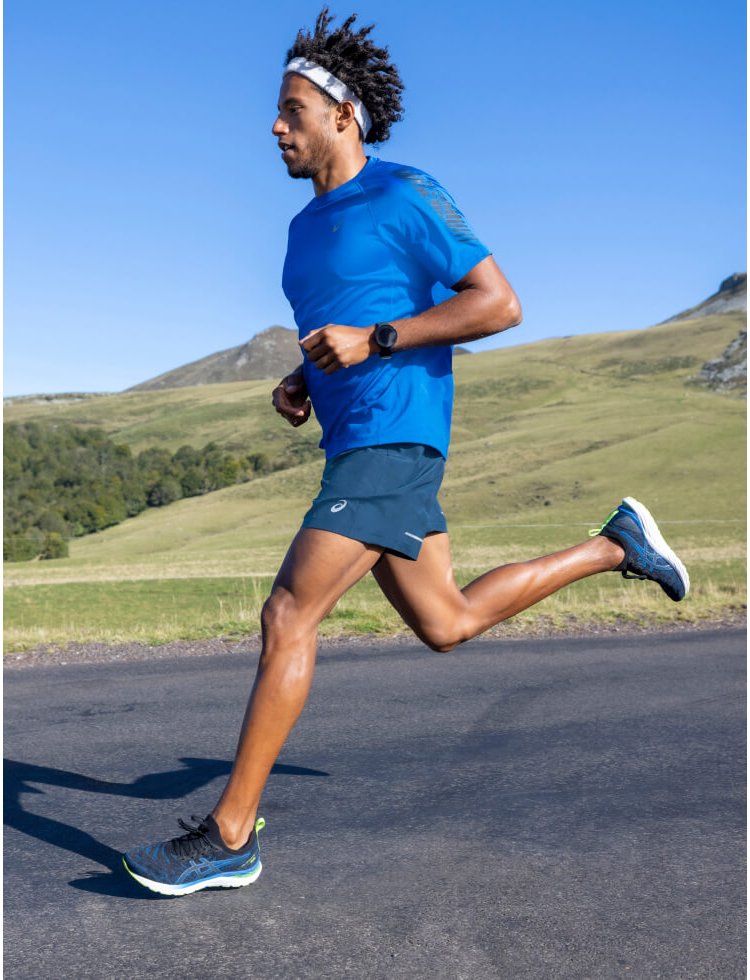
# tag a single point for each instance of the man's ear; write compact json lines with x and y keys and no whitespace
{"x":345,"y":116}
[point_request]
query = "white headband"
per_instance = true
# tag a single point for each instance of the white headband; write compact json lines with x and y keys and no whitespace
{"x":333,"y":86}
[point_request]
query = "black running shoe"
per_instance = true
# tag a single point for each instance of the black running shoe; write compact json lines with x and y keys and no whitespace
{"x":197,"y":859}
{"x":647,"y":554}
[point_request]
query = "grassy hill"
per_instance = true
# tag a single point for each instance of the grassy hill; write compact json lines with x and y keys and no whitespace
{"x":547,"y":438}
{"x":237,"y":415}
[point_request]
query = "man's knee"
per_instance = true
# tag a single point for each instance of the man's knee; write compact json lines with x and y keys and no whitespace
{"x":281,"y":615}
{"x":444,"y":637}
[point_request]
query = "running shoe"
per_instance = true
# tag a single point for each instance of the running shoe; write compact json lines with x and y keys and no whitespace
{"x":195,"y":860}
{"x":647,"y":554}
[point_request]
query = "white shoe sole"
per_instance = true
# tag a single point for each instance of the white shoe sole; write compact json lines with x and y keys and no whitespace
{"x":656,"y":541}
{"x":227,"y":881}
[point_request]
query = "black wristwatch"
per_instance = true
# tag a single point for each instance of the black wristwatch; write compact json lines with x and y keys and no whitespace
{"x":386,"y":336}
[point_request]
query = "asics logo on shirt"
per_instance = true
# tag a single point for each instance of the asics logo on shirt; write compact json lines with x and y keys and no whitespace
{"x":339,"y":506}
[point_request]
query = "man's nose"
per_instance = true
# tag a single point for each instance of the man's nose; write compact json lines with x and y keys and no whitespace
{"x":279,"y":127}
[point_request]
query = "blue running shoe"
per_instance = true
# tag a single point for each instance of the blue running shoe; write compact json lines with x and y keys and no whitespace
{"x":647,"y":554}
{"x":197,"y":859}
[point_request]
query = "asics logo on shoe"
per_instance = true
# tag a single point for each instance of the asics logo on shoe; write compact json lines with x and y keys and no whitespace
{"x":194,"y":861}
{"x":339,"y":506}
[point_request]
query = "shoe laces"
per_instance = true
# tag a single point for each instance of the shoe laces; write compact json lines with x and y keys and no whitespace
{"x":195,"y":842}
{"x":598,"y":530}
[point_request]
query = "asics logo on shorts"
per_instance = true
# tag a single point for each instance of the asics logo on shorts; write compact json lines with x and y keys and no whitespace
{"x":339,"y":506}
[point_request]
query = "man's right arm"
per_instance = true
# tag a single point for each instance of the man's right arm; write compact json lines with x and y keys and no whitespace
{"x":290,"y":398}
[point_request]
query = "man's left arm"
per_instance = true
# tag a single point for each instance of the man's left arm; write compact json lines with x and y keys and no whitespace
{"x":484,"y":304}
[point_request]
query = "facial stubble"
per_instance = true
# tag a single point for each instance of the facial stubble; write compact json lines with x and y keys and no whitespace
{"x":317,"y":155}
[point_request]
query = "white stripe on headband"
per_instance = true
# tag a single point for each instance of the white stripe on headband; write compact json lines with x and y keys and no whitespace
{"x":333,"y":86}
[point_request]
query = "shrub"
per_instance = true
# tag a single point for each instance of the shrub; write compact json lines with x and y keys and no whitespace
{"x":23,"y":547}
{"x":55,"y":546}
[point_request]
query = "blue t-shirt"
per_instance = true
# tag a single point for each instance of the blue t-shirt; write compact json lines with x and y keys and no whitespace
{"x":370,"y":251}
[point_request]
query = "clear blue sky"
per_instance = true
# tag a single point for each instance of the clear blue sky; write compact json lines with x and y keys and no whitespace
{"x":597,"y":148}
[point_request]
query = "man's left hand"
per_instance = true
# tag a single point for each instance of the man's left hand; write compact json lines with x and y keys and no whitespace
{"x":336,"y":346}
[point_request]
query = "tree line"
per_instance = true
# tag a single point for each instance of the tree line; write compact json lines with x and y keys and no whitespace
{"x":64,"y":481}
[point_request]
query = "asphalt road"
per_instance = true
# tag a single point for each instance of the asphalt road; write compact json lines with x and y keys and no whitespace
{"x":568,"y":808}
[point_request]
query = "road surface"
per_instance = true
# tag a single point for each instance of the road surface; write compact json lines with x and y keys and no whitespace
{"x":515,"y":809}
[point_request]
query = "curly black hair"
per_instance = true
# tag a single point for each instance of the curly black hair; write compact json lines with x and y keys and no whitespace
{"x":365,"y":68}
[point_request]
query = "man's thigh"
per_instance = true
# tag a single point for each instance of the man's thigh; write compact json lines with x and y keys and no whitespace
{"x":320,"y":567}
{"x":423,"y":592}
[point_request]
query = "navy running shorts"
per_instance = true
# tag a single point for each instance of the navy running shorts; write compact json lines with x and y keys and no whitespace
{"x":382,"y":495}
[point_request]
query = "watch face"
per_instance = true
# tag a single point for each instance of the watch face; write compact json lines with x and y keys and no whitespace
{"x":385,"y":335}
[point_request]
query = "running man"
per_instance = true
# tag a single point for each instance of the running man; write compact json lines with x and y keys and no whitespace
{"x":363,"y":257}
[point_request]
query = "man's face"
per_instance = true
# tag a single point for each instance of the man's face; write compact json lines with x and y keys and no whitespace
{"x":304,"y":127}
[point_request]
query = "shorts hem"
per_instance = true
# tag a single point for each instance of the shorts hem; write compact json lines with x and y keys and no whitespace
{"x":410,"y":550}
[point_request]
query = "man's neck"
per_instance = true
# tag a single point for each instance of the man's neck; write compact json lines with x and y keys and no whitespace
{"x":345,"y":167}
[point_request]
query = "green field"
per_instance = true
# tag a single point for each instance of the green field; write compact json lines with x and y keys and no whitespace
{"x":547,"y":439}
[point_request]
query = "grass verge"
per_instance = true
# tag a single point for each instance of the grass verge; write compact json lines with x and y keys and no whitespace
{"x":159,"y":611}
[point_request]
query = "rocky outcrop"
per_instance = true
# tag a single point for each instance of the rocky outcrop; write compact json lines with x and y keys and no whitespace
{"x":728,"y":372}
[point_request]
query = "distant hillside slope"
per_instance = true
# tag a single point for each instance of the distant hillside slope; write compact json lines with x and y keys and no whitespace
{"x":730,"y":297}
{"x":270,"y":354}
{"x":239,"y":416}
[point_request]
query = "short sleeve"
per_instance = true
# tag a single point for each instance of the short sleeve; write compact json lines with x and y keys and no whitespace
{"x":426,"y":220}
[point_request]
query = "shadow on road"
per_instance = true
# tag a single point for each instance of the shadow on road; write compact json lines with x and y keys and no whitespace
{"x":173,"y":784}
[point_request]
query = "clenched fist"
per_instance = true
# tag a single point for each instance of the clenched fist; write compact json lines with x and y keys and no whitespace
{"x":336,"y":346}
{"x":290,"y":399}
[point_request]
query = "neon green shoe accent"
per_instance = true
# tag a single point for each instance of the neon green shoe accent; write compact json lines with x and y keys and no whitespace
{"x":259,"y":824}
{"x":598,"y":530}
